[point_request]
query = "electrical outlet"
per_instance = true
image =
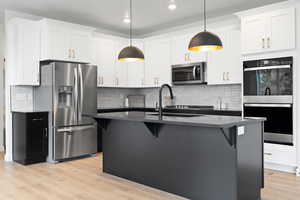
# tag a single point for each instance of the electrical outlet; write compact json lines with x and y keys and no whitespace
{"x":241,"y":130}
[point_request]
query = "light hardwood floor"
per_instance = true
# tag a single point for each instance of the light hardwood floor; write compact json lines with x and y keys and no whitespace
{"x":83,"y":180}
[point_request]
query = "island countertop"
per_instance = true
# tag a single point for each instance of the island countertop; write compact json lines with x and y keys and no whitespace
{"x":215,"y":121}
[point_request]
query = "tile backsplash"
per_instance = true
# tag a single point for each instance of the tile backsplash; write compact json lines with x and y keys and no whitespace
{"x":230,"y":95}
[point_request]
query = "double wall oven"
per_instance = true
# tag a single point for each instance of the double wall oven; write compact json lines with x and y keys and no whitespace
{"x":268,"y":92}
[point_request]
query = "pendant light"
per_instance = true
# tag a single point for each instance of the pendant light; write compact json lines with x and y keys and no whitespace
{"x":205,"y":41}
{"x":131,"y":53}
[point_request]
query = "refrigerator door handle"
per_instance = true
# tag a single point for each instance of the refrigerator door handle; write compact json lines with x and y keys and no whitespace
{"x":80,"y":94}
{"x":76,"y":95}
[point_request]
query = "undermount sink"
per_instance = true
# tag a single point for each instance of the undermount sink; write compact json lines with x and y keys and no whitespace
{"x":177,"y":114}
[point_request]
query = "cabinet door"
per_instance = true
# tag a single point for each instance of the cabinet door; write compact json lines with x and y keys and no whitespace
{"x":233,"y":62}
{"x":56,"y":45}
{"x":224,"y":66}
{"x":136,"y":70}
{"x":95,"y":59}
{"x":81,"y":47}
{"x":158,"y":61}
{"x":107,"y":60}
{"x":121,"y":66}
{"x":37,"y":135}
{"x":254,"y":34}
{"x":281,"y":30}
{"x":23,"y":47}
{"x":29,"y":53}
{"x":216,"y":65}
{"x":180,"y":52}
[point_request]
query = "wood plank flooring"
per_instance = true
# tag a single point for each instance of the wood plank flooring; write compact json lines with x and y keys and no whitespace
{"x":83,"y":180}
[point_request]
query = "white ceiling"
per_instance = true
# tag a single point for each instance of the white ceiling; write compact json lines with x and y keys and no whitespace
{"x":149,"y":15}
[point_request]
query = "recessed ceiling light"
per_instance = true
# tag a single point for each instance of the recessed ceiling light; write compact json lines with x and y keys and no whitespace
{"x":172,"y":5}
{"x":126,"y":20}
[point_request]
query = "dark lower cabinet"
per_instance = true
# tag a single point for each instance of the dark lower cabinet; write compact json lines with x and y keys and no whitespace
{"x":30,"y":137}
{"x":99,"y":138}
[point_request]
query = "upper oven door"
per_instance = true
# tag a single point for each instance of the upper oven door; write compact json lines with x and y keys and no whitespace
{"x":269,"y":80}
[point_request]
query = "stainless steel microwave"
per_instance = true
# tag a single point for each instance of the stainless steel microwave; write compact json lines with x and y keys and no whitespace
{"x":194,"y":73}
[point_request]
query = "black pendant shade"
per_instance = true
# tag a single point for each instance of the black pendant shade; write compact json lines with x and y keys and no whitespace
{"x":205,"y":41}
{"x":131,"y":53}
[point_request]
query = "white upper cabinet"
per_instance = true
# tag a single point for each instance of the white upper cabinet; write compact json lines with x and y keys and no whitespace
{"x":225,"y":66}
{"x":158,"y":62}
{"x":121,"y":66}
{"x":271,"y":31}
{"x":253,"y":34}
{"x":281,"y":30}
{"x":106,"y":60}
{"x":23,"y":49}
{"x":180,"y":52}
{"x":81,"y":46}
{"x":65,"y":42}
{"x":136,"y":70}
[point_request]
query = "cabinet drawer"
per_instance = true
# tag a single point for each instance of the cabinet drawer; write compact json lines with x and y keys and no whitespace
{"x":280,"y":154}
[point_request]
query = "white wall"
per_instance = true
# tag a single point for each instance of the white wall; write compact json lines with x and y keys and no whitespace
{"x":2,"y":108}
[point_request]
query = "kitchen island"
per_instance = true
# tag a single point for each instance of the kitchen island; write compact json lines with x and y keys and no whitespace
{"x":205,"y":157}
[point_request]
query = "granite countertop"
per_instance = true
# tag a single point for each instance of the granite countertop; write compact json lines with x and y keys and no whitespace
{"x":216,"y":121}
{"x":149,"y":109}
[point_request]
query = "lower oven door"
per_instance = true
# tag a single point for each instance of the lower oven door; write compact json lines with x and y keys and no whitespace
{"x":279,"y":124}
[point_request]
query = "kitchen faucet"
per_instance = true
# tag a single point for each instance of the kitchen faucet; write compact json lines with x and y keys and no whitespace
{"x":160,"y":112}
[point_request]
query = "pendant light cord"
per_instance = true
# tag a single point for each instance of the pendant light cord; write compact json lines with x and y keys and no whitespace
{"x":130,"y":23}
{"x":204,"y":2}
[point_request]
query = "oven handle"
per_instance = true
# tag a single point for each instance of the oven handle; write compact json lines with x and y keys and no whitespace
{"x":268,"y":105}
{"x":268,"y":67}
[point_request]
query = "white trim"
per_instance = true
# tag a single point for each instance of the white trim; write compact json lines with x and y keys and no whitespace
{"x":267,"y":8}
{"x":278,"y":167}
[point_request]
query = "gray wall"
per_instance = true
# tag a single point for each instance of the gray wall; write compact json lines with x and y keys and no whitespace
{"x":192,"y":95}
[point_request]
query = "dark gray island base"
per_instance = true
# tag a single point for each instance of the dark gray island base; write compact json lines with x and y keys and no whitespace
{"x":201,"y":157}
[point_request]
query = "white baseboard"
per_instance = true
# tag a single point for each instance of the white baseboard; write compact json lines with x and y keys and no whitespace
{"x":298,"y":171}
{"x":279,"y":167}
{"x":8,"y":157}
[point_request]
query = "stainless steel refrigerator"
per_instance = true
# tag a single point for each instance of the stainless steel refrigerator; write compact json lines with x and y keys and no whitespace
{"x":68,"y":92}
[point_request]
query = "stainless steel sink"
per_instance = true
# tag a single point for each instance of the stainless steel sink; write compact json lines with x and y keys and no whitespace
{"x":177,"y":114}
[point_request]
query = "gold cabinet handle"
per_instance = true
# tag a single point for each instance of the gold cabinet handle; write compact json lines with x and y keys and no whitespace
{"x":73,"y":53}
{"x":268,"y":154}
{"x":263,"y":43}
{"x":268,"y":42}
{"x":70,"y":53}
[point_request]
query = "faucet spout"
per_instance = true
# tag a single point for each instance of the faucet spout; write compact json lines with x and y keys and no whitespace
{"x":160,"y":111}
